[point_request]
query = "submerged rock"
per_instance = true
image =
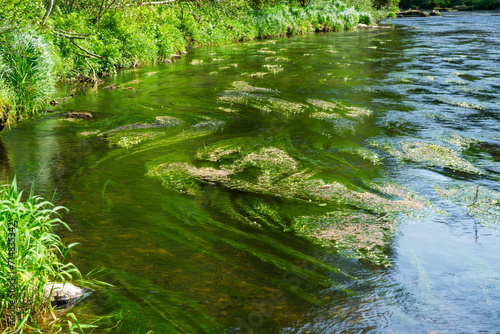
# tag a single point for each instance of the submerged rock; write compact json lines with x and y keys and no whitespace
{"x":63,"y":294}
{"x":78,"y":115}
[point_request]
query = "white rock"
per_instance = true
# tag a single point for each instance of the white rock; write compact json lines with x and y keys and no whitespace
{"x":62,"y":293}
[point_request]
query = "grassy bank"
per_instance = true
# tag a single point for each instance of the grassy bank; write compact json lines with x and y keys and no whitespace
{"x":85,"y":41}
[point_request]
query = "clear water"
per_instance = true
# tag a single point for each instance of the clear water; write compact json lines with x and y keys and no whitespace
{"x":194,"y":264}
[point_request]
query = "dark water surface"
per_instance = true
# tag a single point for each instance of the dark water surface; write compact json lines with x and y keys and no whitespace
{"x":214,"y":255}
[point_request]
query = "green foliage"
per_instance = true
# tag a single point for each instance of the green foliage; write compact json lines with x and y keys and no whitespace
{"x":137,"y":35}
{"x":320,"y":16}
{"x":19,"y":14}
{"x":27,"y":66}
{"x":453,"y":4}
{"x":40,"y":254}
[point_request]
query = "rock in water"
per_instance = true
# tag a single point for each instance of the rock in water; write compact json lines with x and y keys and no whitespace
{"x":78,"y":115}
{"x":63,"y":294}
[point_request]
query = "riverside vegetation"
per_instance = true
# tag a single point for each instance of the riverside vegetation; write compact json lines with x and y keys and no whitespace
{"x":40,"y":257}
{"x":82,"y":40}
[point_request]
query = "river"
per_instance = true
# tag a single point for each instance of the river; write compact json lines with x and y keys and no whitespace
{"x":202,"y":185}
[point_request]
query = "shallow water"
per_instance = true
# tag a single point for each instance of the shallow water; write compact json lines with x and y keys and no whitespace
{"x":214,"y":253}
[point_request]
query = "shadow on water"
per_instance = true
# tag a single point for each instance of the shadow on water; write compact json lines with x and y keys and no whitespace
{"x":5,"y":167}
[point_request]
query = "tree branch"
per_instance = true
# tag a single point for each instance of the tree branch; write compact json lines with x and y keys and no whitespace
{"x":84,"y":50}
{"x":47,"y":13}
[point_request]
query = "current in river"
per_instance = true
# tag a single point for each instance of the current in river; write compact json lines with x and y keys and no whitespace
{"x":196,"y":183}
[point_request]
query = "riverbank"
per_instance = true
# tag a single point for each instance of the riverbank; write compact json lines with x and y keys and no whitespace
{"x":78,"y":44}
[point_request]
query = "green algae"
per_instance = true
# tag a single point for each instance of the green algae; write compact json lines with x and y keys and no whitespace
{"x":172,"y":310}
{"x":459,"y":141}
{"x":130,"y":140}
{"x":460,"y":103}
{"x":431,"y":155}
{"x":273,"y":68}
{"x":345,"y":119}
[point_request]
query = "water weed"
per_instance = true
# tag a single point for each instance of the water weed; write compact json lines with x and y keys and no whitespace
{"x":431,"y":155}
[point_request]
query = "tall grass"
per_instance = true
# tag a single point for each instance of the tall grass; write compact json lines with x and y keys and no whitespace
{"x":27,"y":66}
{"x":39,"y":258}
{"x":320,"y":16}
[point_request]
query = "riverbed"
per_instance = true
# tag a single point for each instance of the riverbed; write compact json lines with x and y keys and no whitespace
{"x":326,"y":183}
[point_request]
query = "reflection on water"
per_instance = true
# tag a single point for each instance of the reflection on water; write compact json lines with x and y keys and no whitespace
{"x":188,"y":184}
{"x":4,"y":162}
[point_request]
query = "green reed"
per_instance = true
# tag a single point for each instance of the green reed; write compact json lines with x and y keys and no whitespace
{"x":39,"y":257}
{"x":27,"y":67}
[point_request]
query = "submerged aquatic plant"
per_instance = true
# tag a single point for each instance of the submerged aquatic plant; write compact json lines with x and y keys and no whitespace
{"x":481,"y":202}
{"x":431,"y":155}
{"x":269,"y":171}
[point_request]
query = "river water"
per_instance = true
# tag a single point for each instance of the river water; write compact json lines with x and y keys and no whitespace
{"x":174,"y":185}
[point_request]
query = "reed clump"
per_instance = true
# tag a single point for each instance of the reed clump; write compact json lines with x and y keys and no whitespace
{"x":27,"y":74}
{"x":39,"y":257}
